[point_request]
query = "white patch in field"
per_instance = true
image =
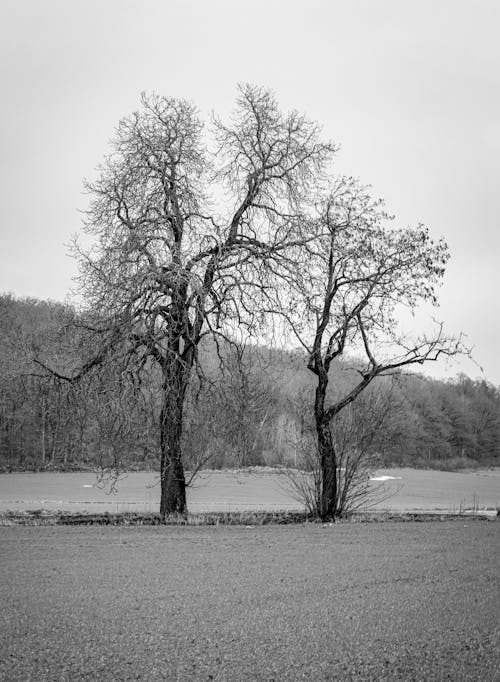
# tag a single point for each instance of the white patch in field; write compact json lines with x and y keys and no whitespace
{"x":386,"y":478}
{"x":88,"y":485}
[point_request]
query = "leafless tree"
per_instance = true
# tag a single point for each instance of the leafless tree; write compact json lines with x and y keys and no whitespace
{"x":360,"y":272}
{"x":354,"y":436}
{"x":192,"y":238}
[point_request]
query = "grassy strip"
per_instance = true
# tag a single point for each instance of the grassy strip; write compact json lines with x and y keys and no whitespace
{"x":261,"y":518}
{"x":43,"y":518}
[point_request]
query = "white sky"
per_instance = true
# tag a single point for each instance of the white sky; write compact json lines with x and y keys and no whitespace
{"x":410,"y":89}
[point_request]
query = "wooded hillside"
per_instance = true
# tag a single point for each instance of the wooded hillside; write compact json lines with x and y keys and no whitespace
{"x":245,"y":407}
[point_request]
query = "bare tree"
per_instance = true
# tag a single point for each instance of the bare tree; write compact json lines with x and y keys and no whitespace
{"x":360,"y":271}
{"x":190,"y":240}
{"x":355,"y":436}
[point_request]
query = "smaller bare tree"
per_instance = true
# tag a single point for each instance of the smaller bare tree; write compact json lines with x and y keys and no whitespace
{"x":360,"y":273}
{"x":354,"y":435}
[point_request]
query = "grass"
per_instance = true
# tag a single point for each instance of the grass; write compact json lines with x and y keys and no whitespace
{"x":42,"y":517}
{"x":456,"y":464}
{"x":249,"y":498}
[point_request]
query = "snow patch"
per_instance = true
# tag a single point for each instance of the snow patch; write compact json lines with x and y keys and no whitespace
{"x":386,"y":478}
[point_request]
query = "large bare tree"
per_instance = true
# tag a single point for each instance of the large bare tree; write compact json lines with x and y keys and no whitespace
{"x":193,"y":235}
{"x":361,"y":273}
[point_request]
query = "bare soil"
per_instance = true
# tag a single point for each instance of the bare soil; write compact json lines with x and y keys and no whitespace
{"x":385,"y":601}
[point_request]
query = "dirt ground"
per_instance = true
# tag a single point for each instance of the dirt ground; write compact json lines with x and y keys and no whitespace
{"x":389,"y":601}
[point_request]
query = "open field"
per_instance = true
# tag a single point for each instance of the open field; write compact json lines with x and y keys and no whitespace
{"x":309,"y":602}
{"x":240,"y":490}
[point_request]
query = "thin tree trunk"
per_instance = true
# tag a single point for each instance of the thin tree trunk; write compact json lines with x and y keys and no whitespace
{"x":326,"y":453}
{"x":44,"y":418}
{"x":328,"y":460}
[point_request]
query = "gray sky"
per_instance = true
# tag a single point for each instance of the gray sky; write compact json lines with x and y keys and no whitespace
{"x":410,"y":89}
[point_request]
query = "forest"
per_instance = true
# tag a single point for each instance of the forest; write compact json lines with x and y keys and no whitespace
{"x":245,"y":406}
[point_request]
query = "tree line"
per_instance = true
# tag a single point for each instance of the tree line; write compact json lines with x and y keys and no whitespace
{"x":252,"y":408}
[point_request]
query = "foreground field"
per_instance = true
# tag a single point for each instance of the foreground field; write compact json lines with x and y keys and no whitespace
{"x":408,"y":490}
{"x":341,"y":602}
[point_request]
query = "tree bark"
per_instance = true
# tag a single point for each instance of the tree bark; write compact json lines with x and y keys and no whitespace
{"x":328,"y":460}
{"x":173,"y":482}
{"x":326,"y":452}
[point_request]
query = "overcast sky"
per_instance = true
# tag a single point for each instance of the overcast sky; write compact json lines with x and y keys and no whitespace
{"x":411,"y":90}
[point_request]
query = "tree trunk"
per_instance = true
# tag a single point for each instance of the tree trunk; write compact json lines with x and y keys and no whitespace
{"x":326,"y":453}
{"x":173,"y":482}
{"x":328,"y":460}
{"x":44,"y":419}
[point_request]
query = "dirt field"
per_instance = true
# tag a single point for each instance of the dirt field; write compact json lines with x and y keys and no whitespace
{"x":240,"y":490}
{"x":387,"y":601}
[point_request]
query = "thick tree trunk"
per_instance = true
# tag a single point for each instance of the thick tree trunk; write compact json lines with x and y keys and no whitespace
{"x":173,"y":482}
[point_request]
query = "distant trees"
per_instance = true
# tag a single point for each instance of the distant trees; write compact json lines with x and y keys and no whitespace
{"x":111,"y":423}
{"x":440,"y":424}
{"x":45,"y":422}
{"x":30,"y":410}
